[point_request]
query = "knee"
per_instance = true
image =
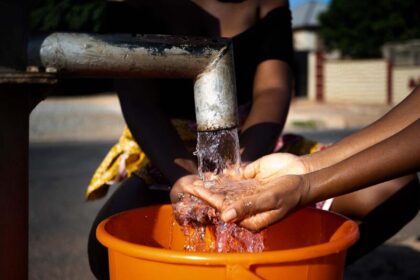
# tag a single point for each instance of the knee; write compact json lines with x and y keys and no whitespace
{"x":122,"y":199}
{"x":404,"y":204}
{"x":97,"y":256}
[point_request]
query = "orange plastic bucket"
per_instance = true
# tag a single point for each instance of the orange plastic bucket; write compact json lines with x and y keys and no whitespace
{"x":147,"y":243}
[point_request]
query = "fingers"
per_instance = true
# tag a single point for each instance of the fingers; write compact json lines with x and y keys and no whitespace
{"x":249,"y":206}
{"x":233,"y":173}
{"x":213,"y":199}
{"x":262,"y":220}
{"x":184,"y":184}
{"x":193,"y":185}
{"x":268,"y":206}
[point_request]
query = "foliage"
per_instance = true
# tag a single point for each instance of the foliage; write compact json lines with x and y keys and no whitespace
{"x":68,"y":15}
{"x":359,"y":28}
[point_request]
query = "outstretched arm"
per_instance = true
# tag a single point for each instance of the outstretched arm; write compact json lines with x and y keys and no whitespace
{"x":395,"y":156}
{"x":281,"y":164}
{"x":393,"y":151}
{"x":395,"y":120}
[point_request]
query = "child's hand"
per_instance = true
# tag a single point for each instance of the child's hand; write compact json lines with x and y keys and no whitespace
{"x":276,"y":198}
{"x":182,"y":186}
{"x":274,"y":165}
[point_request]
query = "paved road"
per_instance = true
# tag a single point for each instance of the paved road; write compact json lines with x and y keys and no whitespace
{"x":59,"y":216}
{"x":67,"y":145}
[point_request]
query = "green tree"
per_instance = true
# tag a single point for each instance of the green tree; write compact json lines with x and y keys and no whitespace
{"x":359,"y":28}
{"x":67,"y":15}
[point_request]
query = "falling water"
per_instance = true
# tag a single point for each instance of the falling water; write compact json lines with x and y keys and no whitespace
{"x":216,"y":151}
{"x":204,"y":231}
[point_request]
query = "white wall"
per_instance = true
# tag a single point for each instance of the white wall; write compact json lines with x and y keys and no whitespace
{"x":359,"y":81}
{"x":304,"y":40}
{"x":311,"y":76}
{"x":401,"y":76}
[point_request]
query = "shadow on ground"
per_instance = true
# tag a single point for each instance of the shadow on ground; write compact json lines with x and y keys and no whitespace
{"x":59,"y":218}
{"x":388,"y":262}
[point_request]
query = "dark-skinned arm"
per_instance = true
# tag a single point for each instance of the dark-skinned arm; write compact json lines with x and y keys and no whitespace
{"x":270,"y":105}
{"x":398,"y":118}
{"x":272,"y":81}
{"x":393,"y":157}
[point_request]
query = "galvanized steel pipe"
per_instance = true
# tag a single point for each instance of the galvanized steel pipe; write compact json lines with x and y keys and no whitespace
{"x":208,"y":61}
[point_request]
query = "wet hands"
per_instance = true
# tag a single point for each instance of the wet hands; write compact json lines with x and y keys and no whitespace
{"x":183,"y":186}
{"x":274,"y":200}
{"x":258,"y":195}
{"x":187,"y":203}
{"x":187,"y":207}
{"x":277,"y":194}
{"x":275,"y":165}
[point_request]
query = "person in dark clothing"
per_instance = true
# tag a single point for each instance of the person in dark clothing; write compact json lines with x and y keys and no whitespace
{"x":263,"y":53}
{"x":157,"y":147}
{"x":386,"y":149}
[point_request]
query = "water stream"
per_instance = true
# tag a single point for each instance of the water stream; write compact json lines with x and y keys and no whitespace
{"x":217,"y":151}
{"x":204,"y":231}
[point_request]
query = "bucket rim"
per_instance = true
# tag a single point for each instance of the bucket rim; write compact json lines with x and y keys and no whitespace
{"x":334,"y":246}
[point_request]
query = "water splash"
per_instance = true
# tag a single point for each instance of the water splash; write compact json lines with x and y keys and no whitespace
{"x":203,"y":229}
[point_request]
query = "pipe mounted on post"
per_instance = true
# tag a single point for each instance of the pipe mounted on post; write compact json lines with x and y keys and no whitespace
{"x":208,"y":61}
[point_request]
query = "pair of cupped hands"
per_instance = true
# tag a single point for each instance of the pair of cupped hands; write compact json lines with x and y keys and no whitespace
{"x":280,"y":189}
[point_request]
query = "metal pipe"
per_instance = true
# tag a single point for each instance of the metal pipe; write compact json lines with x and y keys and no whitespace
{"x":208,"y":61}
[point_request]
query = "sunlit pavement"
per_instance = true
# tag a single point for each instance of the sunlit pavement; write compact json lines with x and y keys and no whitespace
{"x":70,"y":136}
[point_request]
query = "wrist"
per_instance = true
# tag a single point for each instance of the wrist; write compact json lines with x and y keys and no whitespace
{"x":323,"y":184}
{"x":305,"y":186}
{"x":307,"y":163}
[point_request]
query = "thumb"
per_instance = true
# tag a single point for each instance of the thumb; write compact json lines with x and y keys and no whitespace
{"x":213,"y":199}
{"x":252,"y":169}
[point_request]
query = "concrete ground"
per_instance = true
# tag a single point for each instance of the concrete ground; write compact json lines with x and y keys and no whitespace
{"x":70,"y":135}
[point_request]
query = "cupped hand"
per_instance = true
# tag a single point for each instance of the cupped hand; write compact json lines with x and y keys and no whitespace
{"x":274,"y":197}
{"x":278,"y":198}
{"x":193,"y":185}
{"x":274,"y":165}
{"x":182,"y":186}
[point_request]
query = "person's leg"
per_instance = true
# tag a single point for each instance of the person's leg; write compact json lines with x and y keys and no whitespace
{"x":132,"y":193}
{"x":382,"y":211}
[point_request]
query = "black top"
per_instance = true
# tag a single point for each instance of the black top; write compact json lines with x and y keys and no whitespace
{"x":269,"y":38}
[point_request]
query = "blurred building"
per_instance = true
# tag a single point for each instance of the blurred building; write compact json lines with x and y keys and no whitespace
{"x":326,"y":77}
{"x":403,"y":54}
{"x":305,"y":26}
{"x":386,"y":80}
{"x":306,"y":40}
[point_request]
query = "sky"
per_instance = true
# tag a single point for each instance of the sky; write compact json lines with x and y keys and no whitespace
{"x":294,"y":3}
